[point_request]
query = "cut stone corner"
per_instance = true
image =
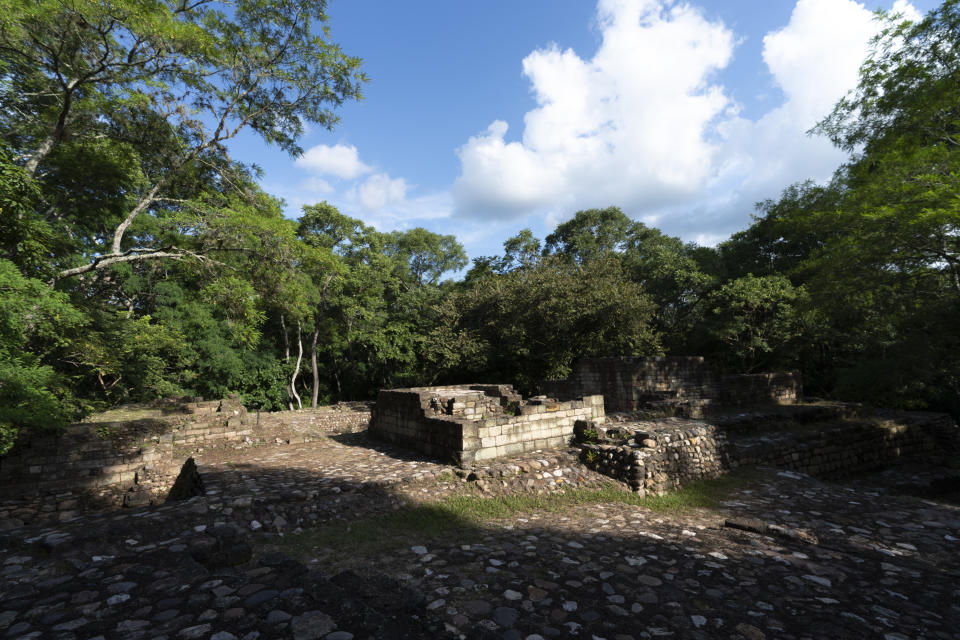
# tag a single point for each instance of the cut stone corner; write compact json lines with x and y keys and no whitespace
{"x":473,"y":423}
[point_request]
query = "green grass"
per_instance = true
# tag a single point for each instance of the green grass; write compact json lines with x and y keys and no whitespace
{"x":465,"y":517}
{"x":702,"y":494}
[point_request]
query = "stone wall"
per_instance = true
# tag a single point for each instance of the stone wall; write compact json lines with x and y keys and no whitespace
{"x":132,"y":456}
{"x":309,"y":425}
{"x":684,"y":384}
{"x":658,"y":456}
{"x":111,"y":462}
{"x":469,"y":423}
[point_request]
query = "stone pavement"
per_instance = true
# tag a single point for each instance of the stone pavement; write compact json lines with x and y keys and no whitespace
{"x":841,"y":561}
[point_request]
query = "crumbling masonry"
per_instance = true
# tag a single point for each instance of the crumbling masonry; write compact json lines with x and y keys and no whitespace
{"x":470,"y":423}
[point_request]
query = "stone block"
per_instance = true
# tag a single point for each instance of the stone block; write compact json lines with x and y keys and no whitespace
{"x":513,"y":448}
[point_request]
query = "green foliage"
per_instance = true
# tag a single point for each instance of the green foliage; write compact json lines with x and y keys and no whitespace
{"x":753,"y":321}
{"x":26,"y":239}
{"x":138,"y":260}
{"x":36,"y":326}
{"x":589,"y":436}
{"x":908,"y":86}
{"x":530,"y":324}
{"x":424,"y":256}
{"x":590,"y":234}
{"x":877,"y":251}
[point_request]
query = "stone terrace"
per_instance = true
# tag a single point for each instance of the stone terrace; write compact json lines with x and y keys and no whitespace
{"x":839,"y":562}
{"x":471,"y":423}
{"x":825,"y":440}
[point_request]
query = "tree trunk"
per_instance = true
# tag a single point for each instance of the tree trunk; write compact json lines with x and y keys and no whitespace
{"x":286,"y":340}
{"x":313,"y":343}
{"x":313,"y":364}
{"x":286,"y":357}
{"x":296,"y":368}
{"x":56,"y":135}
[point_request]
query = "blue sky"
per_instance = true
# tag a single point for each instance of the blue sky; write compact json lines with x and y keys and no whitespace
{"x":483,"y":118}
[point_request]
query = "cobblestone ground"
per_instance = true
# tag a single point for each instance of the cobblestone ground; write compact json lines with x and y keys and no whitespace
{"x":841,"y":561}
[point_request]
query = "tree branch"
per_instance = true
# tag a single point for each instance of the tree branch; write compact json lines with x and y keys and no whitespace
{"x":131,"y":255}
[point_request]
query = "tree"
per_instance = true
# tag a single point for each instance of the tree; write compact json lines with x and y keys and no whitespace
{"x":522,"y":251}
{"x":785,"y":233}
{"x":753,"y":320}
{"x":590,"y":234}
{"x":424,"y":256}
{"x":669,"y":272}
{"x":896,"y":240}
{"x":664,"y":266}
{"x":165,"y":84}
{"x":907,"y":89}
{"x":529,"y":325}
{"x":36,"y":323}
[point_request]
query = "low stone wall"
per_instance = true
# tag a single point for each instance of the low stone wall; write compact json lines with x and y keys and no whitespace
{"x":310,"y":425}
{"x":111,"y":462}
{"x":686,"y":384}
{"x":658,"y":456}
{"x":744,"y":389}
{"x":469,"y":423}
{"x":116,"y":462}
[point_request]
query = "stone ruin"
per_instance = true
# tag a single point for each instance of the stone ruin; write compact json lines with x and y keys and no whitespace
{"x":675,"y":385}
{"x":472,"y":423}
{"x":825,"y":441}
{"x":132,"y":455}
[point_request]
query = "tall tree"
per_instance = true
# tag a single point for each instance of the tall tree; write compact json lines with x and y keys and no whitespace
{"x":530,"y":324}
{"x":591,"y":233}
{"x":166,"y":84}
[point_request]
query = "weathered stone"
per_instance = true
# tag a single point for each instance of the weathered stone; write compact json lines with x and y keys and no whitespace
{"x":434,"y":420}
{"x":312,"y":625}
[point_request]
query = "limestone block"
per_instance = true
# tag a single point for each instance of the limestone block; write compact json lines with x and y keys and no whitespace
{"x":513,"y":448}
{"x":485,"y":454}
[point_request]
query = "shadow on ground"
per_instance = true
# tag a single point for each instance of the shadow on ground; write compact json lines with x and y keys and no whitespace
{"x":375,"y":558}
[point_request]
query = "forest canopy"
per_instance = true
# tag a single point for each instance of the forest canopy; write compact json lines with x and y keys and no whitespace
{"x":139,"y":260}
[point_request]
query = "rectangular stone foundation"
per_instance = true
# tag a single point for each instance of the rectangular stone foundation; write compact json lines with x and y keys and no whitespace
{"x":635,"y":383}
{"x":471,"y":423}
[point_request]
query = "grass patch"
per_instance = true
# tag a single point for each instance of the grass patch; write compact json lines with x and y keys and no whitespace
{"x":464,"y":517}
{"x":702,"y":494}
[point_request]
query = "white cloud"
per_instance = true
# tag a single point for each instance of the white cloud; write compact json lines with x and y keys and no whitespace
{"x":379,"y":191}
{"x":815,"y":60}
{"x":341,"y":161}
{"x":316,"y":185}
{"x":383,"y":202}
{"x":644,"y":125}
{"x":628,"y":125}
{"x":908,"y":11}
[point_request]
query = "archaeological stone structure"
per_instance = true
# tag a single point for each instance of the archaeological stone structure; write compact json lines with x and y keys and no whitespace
{"x":685,"y":385}
{"x":131,"y":456}
{"x":655,"y":456}
{"x":470,"y":423}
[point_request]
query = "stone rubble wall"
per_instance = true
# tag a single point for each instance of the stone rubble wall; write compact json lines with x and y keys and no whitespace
{"x":471,"y":423}
{"x":669,"y":454}
{"x":633,"y":383}
{"x":98,"y":465}
{"x":539,"y":472}
{"x":310,"y":425}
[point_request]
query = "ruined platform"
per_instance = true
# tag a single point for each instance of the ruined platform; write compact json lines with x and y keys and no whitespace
{"x":655,"y":456}
{"x":469,"y":423}
{"x":883,"y":565}
{"x":676,"y":385}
